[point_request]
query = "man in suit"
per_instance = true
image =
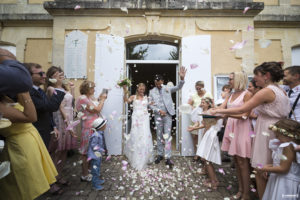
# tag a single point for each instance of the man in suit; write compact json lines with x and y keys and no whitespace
{"x":163,"y":108}
{"x":44,"y":105}
{"x":14,"y":78}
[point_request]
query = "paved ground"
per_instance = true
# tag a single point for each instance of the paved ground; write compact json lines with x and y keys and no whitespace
{"x":156,"y":182}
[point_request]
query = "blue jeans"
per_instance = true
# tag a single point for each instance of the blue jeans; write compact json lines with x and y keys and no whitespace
{"x":96,"y":166}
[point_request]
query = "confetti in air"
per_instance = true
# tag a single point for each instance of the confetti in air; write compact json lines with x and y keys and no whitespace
{"x":231,"y":135}
{"x":185,"y":8}
{"x":246,"y":9}
{"x":194,"y":66}
{"x":124,"y":9}
{"x":52,"y":80}
{"x":77,"y":7}
{"x":238,"y":45}
{"x":264,"y":43}
{"x":250,"y":28}
{"x":266,"y":134}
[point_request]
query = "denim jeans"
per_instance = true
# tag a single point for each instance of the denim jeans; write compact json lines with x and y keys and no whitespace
{"x":96,"y":166}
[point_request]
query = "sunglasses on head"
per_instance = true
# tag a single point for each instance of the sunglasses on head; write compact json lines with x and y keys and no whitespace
{"x":40,"y":73}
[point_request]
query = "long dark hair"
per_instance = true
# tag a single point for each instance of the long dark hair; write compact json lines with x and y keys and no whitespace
{"x":274,"y":68}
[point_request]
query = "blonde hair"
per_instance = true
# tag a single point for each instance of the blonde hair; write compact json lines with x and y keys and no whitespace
{"x":240,"y":80}
{"x":86,"y":86}
{"x":140,"y":85}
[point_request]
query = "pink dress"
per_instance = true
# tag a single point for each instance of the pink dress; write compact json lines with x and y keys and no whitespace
{"x":86,"y":122}
{"x":237,"y":140}
{"x":65,"y":141}
{"x":268,"y":113}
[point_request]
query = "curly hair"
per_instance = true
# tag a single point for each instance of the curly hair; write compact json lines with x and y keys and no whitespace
{"x":274,"y":68}
{"x":86,"y":86}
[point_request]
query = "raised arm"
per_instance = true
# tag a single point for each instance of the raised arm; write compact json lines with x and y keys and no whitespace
{"x":265,"y":95}
{"x":245,"y":115}
{"x":182,"y":72}
{"x":125,"y":98}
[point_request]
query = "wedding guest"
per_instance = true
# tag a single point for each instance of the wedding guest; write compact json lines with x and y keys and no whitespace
{"x":195,"y":101}
{"x":62,"y":118}
{"x":44,"y":107}
{"x":284,"y":180}
{"x":253,"y":88}
{"x":14,"y":78}
{"x":209,"y":148}
{"x":226,"y":90}
{"x":236,"y":140}
{"x":96,"y":150}
{"x":32,"y":170}
{"x":292,"y":81}
{"x":272,"y":104}
{"x":90,"y":107}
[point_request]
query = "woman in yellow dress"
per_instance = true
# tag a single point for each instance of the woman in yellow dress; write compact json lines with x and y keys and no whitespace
{"x":32,"y":170}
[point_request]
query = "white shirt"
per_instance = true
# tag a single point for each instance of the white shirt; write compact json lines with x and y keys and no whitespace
{"x":293,"y":97}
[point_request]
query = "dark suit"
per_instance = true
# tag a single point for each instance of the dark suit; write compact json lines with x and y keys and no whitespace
{"x":44,"y":107}
{"x":14,"y":78}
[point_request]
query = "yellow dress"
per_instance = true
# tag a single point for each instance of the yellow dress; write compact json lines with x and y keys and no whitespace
{"x":32,"y":169}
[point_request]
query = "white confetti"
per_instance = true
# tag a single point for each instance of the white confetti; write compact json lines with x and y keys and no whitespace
{"x":77,"y":7}
{"x":264,"y":43}
{"x":185,"y":8}
{"x":231,"y":135}
{"x":252,"y":175}
{"x":283,"y":157}
{"x":97,"y":154}
{"x":52,"y":80}
{"x":266,"y":134}
{"x":166,"y":136}
{"x":124,"y":9}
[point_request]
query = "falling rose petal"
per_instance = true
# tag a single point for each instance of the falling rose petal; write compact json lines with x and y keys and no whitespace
{"x":246,"y":9}
{"x":231,"y":135}
{"x":252,"y":134}
{"x":72,"y":125}
{"x":264,"y":43}
{"x":250,"y":28}
{"x":229,"y":187}
{"x":266,"y":134}
{"x":124,"y":163}
{"x":124,"y":9}
{"x":88,"y":159}
{"x":52,"y":80}
{"x":166,"y":136}
{"x":283,"y":157}
{"x":252,"y":175}
{"x":185,"y":8}
{"x":253,"y":190}
{"x":77,"y":193}
{"x":124,"y":168}
{"x":238,"y":45}
{"x":259,"y":166}
{"x":74,"y":164}
{"x":77,"y":7}
{"x":96,"y":148}
{"x":108,"y":158}
{"x":221,"y":170}
{"x":59,"y":162}
{"x":194,"y":66}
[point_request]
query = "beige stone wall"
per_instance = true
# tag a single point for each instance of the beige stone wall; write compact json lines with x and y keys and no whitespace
{"x":283,"y":39}
{"x":8,"y":1}
{"x":295,"y":2}
{"x":37,"y":1}
{"x":268,"y":2}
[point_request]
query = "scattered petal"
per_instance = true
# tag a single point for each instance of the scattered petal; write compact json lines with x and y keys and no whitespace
{"x":221,"y":170}
{"x":250,"y":28}
{"x":77,"y":7}
{"x":266,"y":134}
{"x":52,"y":80}
{"x":185,"y":8}
{"x":124,"y":9}
{"x":246,"y":9}
{"x":231,"y":135}
{"x":239,"y":45}
{"x":264,"y":43}
{"x":194,"y":66}
{"x":108,"y":158}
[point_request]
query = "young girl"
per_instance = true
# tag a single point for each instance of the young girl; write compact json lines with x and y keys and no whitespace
{"x":284,"y":180}
{"x":209,"y":148}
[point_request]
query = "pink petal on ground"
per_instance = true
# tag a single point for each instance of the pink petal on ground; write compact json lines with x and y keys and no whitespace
{"x":124,"y":168}
{"x":229,"y":187}
{"x":108,"y":158}
{"x":253,"y":190}
{"x":77,"y":7}
{"x":124,"y":163}
{"x":194,"y":66}
{"x":221,"y":170}
{"x":246,"y":9}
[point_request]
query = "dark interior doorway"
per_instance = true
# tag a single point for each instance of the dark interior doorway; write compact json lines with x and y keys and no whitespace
{"x":144,"y":73}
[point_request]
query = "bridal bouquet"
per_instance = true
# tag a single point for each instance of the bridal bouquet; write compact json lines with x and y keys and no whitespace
{"x":123,"y":82}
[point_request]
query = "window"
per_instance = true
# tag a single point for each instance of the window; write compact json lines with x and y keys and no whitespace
{"x":152,"y":50}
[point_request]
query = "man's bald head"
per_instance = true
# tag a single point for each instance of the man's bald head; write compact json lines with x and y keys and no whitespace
{"x":6,"y":55}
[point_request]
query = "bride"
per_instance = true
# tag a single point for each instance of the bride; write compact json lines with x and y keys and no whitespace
{"x":138,"y":144}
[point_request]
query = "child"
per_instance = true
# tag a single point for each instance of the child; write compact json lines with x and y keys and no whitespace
{"x":95,"y":151}
{"x":209,"y":148}
{"x":284,"y":180}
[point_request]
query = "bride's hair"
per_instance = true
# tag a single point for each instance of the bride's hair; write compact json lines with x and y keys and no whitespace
{"x":140,"y":85}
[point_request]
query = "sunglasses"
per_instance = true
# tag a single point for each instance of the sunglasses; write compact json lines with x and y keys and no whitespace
{"x":40,"y":73}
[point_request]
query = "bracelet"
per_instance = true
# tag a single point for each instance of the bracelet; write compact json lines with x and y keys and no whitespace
{"x":27,"y":100}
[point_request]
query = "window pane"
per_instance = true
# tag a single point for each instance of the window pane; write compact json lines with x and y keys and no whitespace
{"x":151,"y":51}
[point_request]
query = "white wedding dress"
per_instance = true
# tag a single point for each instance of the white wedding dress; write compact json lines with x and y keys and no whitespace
{"x":138,"y":144}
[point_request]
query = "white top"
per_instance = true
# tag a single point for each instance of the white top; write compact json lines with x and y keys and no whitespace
{"x":293,"y":97}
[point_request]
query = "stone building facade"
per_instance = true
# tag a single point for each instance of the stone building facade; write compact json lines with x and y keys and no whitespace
{"x":233,"y":38}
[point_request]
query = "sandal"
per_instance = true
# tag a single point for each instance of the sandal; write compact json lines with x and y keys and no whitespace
{"x":237,"y":195}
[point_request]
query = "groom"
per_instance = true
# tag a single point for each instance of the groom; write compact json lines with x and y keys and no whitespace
{"x":162,"y":106}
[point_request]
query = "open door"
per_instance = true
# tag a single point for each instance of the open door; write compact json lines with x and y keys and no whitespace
{"x":109,"y":66}
{"x":196,"y":56}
